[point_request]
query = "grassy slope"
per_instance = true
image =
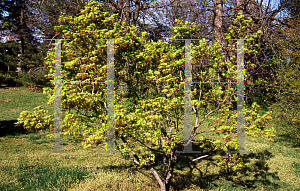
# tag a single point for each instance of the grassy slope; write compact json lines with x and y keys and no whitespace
{"x":24,"y":163}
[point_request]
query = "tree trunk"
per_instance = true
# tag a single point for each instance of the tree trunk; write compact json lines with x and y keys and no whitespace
{"x":21,"y":38}
{"x":124,"y":11}
{"x":218,"y":35}
{"x":164,"y":185}
{"x":218,"y":21}
{"x":239,"y":6}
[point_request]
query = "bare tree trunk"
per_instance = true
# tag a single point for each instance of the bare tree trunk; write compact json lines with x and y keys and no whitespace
{"x":124,"y":11}
{"x":19,"y":68}
{"x":218,"y":21}
{"x":240,"y":6}
{"x":164,"y":185}
{"x":218,"y":35}
{"x":21,"y":37}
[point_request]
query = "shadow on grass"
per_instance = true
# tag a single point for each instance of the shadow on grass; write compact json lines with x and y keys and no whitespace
{"x":257,"y":176}
{"x":9,"y":128}
{"x":289,"y":138}
{"x":253,"y":177}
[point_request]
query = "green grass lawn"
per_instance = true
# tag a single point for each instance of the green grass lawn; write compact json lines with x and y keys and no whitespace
{"x":26,"y":166}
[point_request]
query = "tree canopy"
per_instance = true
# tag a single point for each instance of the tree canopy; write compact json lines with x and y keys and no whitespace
{"x":149,"y":110}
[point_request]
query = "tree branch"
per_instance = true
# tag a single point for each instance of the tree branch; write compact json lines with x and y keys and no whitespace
{"x":196,"y":126}
{"x":136,"y":160}
{"x":156,"y":175}
{"x":184,"y":160}
{"x":147,"y":146}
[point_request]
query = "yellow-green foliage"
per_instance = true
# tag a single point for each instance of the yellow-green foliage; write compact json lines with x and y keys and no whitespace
{"x":156,"y":88}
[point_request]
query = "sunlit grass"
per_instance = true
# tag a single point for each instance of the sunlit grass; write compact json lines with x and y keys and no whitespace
{"x":25,"y":165}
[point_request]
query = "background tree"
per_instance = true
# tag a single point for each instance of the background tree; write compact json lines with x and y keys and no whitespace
{"x":262,"y":78}
{"x":45,"y":14}
{"x":287,"y":99}
{"x":21,"y":49}
{"x":38,"y":21}
{"x":292,"y":7}
{"x":14,"y":25}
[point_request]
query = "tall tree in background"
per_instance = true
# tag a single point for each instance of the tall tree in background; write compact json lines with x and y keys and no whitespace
{"x":14,"y":25}
{"x":292,"y":7}
{"x":218,"y":21}
{"x":133,"y":14}
{"x":260,"y":86}
{"x":289,"y":46}
{"x":288,"y":102}
{"x":199,"y":12}
{"x":44,"y":15}
{"x":157,"y":17}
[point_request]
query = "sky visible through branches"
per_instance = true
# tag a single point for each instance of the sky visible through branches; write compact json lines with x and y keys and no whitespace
{"x":38,"y":34}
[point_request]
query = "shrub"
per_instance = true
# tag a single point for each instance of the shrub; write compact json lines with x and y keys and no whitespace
{"x":36,"y":120}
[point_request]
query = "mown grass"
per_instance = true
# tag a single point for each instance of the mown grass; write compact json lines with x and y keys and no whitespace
{"x":25,"y":165}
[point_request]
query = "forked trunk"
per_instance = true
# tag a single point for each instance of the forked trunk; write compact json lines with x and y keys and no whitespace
{"x":164,"y":185}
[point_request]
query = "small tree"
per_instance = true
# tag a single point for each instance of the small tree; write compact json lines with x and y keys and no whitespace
{"x":149,"y":111}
